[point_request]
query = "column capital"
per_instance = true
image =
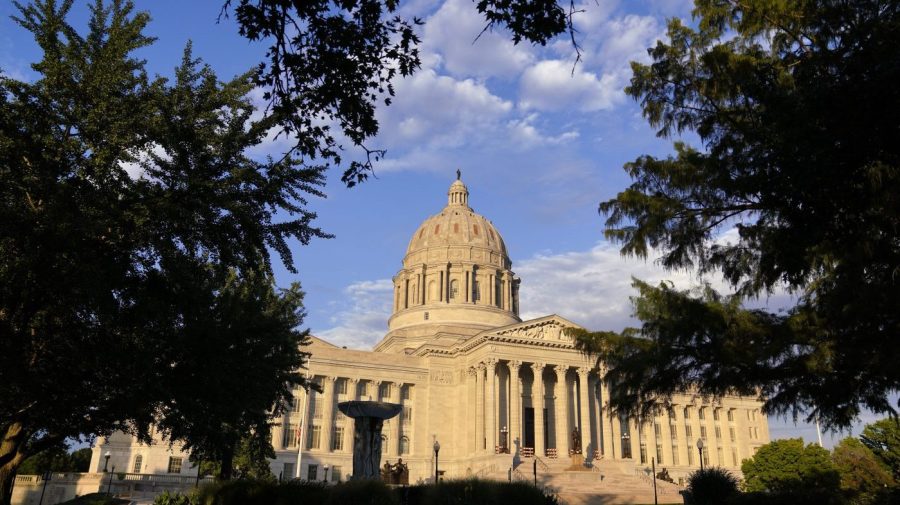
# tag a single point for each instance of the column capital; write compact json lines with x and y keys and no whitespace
{"x":560,"y":370}
{"x":471,"y":371}
{"x":482,"y":366}
{"x":583,"y":371}
{"x":491,"y":362}
{"x":538,"y":366}
{"x":514,"y":364}
{"x":332,"y":378}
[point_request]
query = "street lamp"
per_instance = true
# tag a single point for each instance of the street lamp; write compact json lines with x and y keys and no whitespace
{"x":504,"y":448}
{"x":109,"y":482}
{"x":106,"y":461}
{"x":700,"y":448}
{"x":325,"y":479}
{"x":437,"y":449}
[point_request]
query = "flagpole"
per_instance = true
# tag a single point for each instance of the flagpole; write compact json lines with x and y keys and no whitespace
{"x":303,"y":409}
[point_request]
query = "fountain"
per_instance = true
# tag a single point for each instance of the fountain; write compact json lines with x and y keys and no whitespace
{"x":368,"y":418}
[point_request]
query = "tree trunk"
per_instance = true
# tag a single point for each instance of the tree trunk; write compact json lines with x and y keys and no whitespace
{"x":226,"y":469}
{"x":11,"y":456}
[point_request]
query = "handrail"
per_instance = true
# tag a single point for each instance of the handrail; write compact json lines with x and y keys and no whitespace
{"x":544,"y":466}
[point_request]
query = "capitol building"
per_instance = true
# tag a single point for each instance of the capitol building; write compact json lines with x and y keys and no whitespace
{"x":500,"y":395}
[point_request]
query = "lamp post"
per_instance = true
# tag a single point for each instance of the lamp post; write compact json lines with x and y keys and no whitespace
{"x":700,"y":449}
{"x":437,"y":449}
{"x":504,"y":448}
{"x":106,"y":461}
{"x":109,"y":482}
{"x":325,"y":478}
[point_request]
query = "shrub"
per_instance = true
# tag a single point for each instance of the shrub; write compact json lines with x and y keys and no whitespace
{"x":797,"y":497}
{"x":475,"y":492}
{"x":711,"y":486}
{"x":174,"y":499}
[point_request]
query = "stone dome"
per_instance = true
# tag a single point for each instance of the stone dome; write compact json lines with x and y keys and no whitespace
{"x":457,"y":225}
{"x":456,"y":272}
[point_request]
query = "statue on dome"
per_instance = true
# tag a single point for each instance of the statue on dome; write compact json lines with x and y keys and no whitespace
{"x":458,"y":174}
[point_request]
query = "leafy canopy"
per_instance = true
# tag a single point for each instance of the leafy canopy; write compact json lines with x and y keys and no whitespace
{"x":883,"y":439}
{"x":132,"y":213}
{"x":789,"y":466}
{"x":794,"y":104}
{"x":863,"y":475}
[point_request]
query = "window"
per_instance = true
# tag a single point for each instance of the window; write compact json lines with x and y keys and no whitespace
{"x":690,"y":454}
{"x":138,"y":463}
{"x":315,"y":437}
{"x":718,"y":432}
{"x":703,"y":432}
{"x":407,"y":414}
{"x":404,"y":445}
{"x":688,"y":433}
{"x":625,"y":430}
{"x":643,"y":453}
{"x":363,"y":389}
{"x":296,"y":401}
{"x":731,"y":433}
{"x":673,"y":431}
{"x":657,"y":430}
{"x":702,"y":414}
{"x":312,"y":472}
{"x":731,"y":415}
{"x":404,"y":393}
{"x":385,"y":390}
{"x":476,"y":291}
{"x":288,"y":472}
{"x":174,"y":465}
{"x":454,"y":289}
{"x":336,"y":473}
{"x":674,"y":454}
{"x":687,"y":413}
{"x":719,"y":456}
{"x":659,"y":454}
{"x":706,"y":457}
{"x":317,"y":407}
{"x":290,"y":435}
{"x":342,"y":387}
{"x":716,"y":414}
{"x":337,"y":438}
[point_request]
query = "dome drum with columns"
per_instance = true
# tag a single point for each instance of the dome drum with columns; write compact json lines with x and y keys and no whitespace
{"x":495,"y":391}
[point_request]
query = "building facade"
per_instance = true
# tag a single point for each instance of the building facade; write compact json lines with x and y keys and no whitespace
{"x":491,"y":389}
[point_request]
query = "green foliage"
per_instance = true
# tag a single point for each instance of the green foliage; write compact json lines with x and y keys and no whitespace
{"x":56,"y":459}
{"x":711,"y":486}
{"x":135,"y":224}
{"x":470,"y":492}
{"x":883,"y":438}
{"x":333,"y":62}
{"x":167,"y":498}
{"x":793,"y":104}
{"x":787,"y":465}
{"x":96,"y":499}
{"x":863,"y":475}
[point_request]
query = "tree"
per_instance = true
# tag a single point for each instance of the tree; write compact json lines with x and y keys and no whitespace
{"x":711,"y":486}
{"x":335,"y":61}
{"x":118,"y":193}
{"x":789,"y":466}
{"x":57,"y":459}
{"x":793,"y":105}
{"x":883,"y":439}
{"x":252,"y":328}
{"x":863,"y":476}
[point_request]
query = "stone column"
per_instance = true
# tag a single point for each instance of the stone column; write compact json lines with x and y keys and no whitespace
{"x":491,"y":406}
{"x":398,"y":421}
{"x":515,"y":410}
{"x":471,"y":409}
{"x":352,"y":394}
{"x":606,"y":420}
{"x":559,"y":412}
{"x":584,"y":404}
{"x":538,"y":400}
{"x":479,"y":408}
{"x":327,"y":412}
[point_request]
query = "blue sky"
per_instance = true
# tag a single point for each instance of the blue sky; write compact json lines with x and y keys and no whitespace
{"x":539,"y":147}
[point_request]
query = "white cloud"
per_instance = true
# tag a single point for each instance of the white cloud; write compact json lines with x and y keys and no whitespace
{"x":360,"y":321}
{"x":593,"y":288}
{"x":451,"y":33}
{"x":551,"y":85}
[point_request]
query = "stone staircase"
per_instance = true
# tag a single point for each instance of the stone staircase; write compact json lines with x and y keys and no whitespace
{"x":602,"y":483}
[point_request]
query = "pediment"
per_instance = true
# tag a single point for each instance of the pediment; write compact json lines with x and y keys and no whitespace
{"x":546,"y":330}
